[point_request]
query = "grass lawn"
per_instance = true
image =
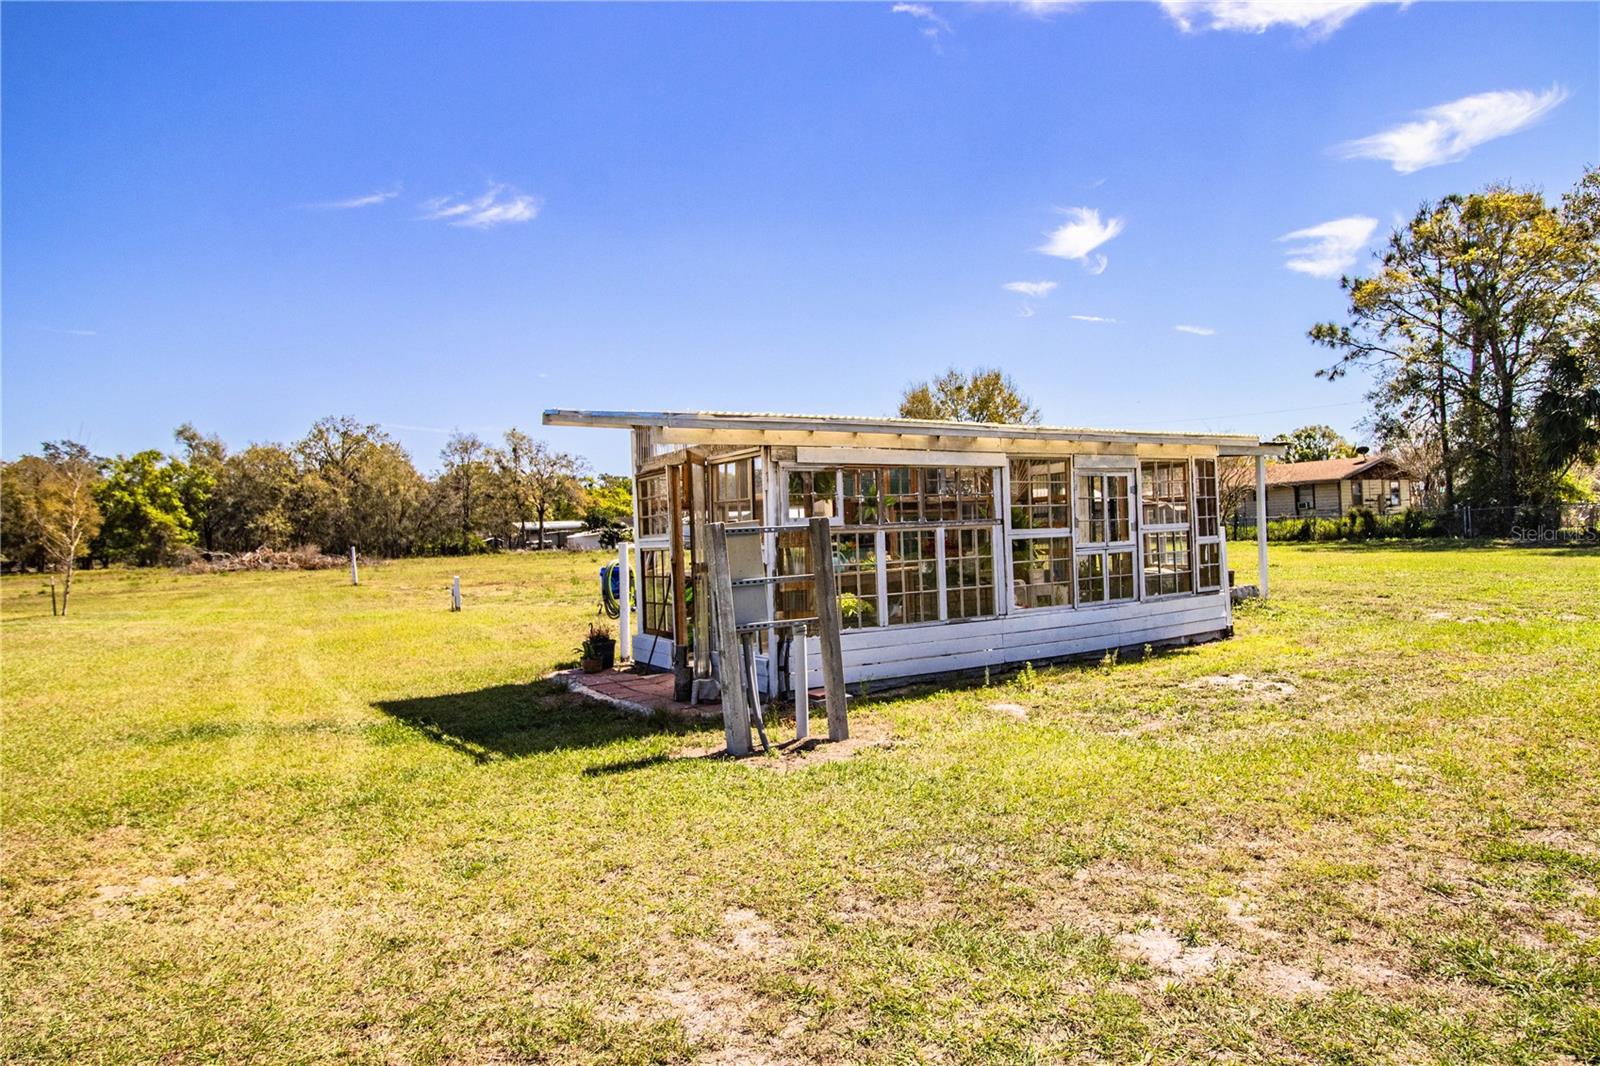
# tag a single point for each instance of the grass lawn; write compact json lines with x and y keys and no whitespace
{"x":272,"y":817}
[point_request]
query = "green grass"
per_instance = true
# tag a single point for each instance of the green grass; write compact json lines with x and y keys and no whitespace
{"x":271,"y":817}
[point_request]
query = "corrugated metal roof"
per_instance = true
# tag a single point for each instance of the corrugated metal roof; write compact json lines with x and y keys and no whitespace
{"x":776,"y":422}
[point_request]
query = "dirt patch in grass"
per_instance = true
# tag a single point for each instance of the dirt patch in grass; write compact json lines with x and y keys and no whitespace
{"x":1165,"y":951}
{"x":1254,"y":687}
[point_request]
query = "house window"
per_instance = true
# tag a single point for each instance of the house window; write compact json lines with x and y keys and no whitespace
{"x":1103,"y":508}
{"x":1041,"y":532}
{"x":911,"y":575}
{"x":1164,"y":493}
{"x":1209,"y":576}
{"x":1105,"y":576}
{"x":975,"y":494}
{"x":1394,"y":494}
{"x":653,"y":505}
{"x":855,"y":564}
{"x":892,"y":546}
{"x":1105,"y":538}
{"x":655,"y":592}
{"x":1041,"y":571}
{"x":736,"y":491}
{"x":1357,"y":491}
{"x":796,"y":597}
{"x":862,"y":503}
{"x":968,"y":573}
{"x":957,"y":494}
{"x":1207,"y":528}
{"x":1305,"y":497}
{"x":1166,"y":563}
{"x":811,"y":494}
{"x":1041,"y":494}
{"x":902,"y":494}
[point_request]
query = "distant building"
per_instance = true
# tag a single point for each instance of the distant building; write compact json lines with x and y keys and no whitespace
{"x":556,"y":532}
{"x":1329,"y":488}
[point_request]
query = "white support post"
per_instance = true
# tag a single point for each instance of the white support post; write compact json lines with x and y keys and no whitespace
{"x":1261,"y":522}
{"x":455,"y":593}
{"x":355,"y":576}
{"x":625,"y":610}
{"x":800,"y":680}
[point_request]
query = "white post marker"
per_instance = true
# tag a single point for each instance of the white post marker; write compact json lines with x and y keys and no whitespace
{"x":624,"y":612}
{"x":1261,"y":521}
{"x":355,"y":576}
{"x":455,"y":593}
{"x":800,"y":681}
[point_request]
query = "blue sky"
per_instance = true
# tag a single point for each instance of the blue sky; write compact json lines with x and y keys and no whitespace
{"x":434,"y":217}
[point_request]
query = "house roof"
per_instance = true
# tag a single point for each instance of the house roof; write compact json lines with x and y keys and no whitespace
{"x":1324,"y":469}
{"x":1228,"y":443}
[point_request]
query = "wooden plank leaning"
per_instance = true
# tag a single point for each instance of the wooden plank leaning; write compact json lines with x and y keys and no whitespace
{"x":725,"y":642}
{"x":829,"y":623}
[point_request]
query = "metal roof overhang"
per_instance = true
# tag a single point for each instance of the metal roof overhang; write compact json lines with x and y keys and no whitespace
{"x":699,"y":427}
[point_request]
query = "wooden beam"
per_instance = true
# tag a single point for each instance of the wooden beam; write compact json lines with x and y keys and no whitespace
{"x":682,"y":679}
{"x":702,"y":601}
{"x":829,"y":623}
{"x":735,"y":701}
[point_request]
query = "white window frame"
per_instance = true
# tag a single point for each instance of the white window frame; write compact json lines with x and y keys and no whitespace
{"x":995,"y":463}
{"x":1186,"y":528}
{"x":1195,"y":538}
{"x":1105,"y":548}
{"x":1070,"y":533}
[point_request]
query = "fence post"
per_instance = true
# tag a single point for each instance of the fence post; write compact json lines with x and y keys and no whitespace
{"x":355,"y":576}
{"x":455,"y":593}
{"x":1261,"y":520}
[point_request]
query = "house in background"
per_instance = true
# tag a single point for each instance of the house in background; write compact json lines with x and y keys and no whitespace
{"x":1329,"y":488}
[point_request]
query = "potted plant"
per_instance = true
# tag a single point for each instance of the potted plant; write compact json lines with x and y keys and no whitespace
{"x":598,"y":652}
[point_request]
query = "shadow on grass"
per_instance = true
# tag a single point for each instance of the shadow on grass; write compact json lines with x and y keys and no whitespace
{"x":513,"y":721}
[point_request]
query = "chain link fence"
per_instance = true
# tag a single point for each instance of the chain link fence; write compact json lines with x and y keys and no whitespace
{"x":1568,"y":523}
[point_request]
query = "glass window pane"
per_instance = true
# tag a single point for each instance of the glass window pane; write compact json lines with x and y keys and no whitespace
{"x":969,"y":572}
{"x":911,"y":578}
{"x":1041,"y":572}
{"x":855,"y":564}
{"x":1165,"y":492}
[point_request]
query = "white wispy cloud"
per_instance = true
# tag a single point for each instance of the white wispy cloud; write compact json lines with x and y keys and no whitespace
{"x":1090,"y":318}
{"x":934,"y":24}
{"x":1080,"y":235}
{"x":1198,"y":331}
{"x":1043,"y":8}
{"x":500,"y":205}
{"x":1446,"y":133}
{"x":1316,"y":17}
{"x":70,"y":332}
{"x":1329,"y":249}
{"x":369,"y":200}
{"x":1036,"y":289}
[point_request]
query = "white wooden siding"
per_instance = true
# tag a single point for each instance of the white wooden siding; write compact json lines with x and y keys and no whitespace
{"x":1028,"y":635}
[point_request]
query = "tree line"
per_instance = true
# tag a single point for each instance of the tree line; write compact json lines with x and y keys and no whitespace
{"x":1481,"y":325}
{"x":343,"y":483}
